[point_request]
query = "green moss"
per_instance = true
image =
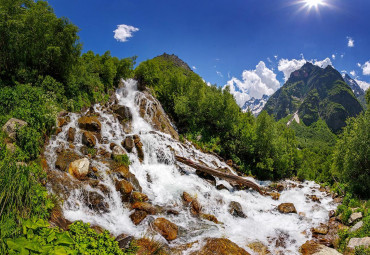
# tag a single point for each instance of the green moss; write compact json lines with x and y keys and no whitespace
{"x":122,"y":159}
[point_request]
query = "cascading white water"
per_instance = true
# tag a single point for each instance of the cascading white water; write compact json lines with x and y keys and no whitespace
{"x":164,"y":184}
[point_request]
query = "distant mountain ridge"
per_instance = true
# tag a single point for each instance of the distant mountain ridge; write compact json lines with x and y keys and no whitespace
{"x":315,"y":93}
{"x":255,"y":105}
{"x":357,"y":90}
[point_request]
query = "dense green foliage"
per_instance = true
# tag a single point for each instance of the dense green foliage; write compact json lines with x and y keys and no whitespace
{"x":38,"y":238}
{"x":315,"y":93}
{"x":42,"y":72}
{"x":352,"y":154}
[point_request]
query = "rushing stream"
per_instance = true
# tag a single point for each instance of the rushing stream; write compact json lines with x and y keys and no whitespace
{"x":164,"y":182}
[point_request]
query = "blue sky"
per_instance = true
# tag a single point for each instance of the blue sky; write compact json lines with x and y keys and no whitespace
{"x":222,"y":39}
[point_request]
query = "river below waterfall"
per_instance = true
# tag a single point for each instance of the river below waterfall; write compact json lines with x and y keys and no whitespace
{"x":164,"y":181}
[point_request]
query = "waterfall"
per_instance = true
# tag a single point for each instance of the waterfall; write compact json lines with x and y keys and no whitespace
{"x":164,"y":181}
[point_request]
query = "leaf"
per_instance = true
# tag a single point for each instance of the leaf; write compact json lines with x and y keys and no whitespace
{"x":51,"y":237}
{"x":64,"y":238}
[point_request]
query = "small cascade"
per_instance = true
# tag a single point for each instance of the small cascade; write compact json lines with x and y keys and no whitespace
{"x":164,"y":181}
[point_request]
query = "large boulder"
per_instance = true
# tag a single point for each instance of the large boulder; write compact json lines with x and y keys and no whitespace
{"x":354,"y":217}
{"x":11,"y":126}
{"x":71,"y":134}
{"x":287,"y":208}
{"x":166,"y":228}
{"x":79,"y":168}
{"x":95,"y":201}
{"x":90,"y":123}
{"x":220,"y":246}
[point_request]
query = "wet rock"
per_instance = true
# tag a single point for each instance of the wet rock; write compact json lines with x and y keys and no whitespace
{"x":95,"y":201}
{"x":259,"y":248}
{"x":186,"y":197}
{"x":139,"y":148}
{"x":331,"y":213}
{"x":57,"y":219}
{"x":354,"y":217}
{"x":71,"y":134}
{"x":62,"y":121}
{"x":150,"y":209}
{"x":195,"y":207}
{"x":11,"y":126}
{"x":209,"y":178}
{"x":79,"y":168}
{"x":88,"y":139}
{"x":138,"y":197}
{"x":118,"y":151}
{"x":166,"y":228}
{"x":122,"y":112}
{"x":155,"y":114}
{"x":90,"y":123}
{"x":314,"y":198}
{"x":356,"y":242}
{"x":124,"y":241}
{"x":236,"y":209}
{"x":287,"y":208}
{"x":274,"y":195}
{"x":128,"y":143}
{"x":123,"y":171}
{"x":135,"y":182}
{"x":62,"y":183}
{"x":322,"y":229}
{"x":98,"y":229}
{"x":125,"y":188}
{"x":64,"y":158}
{"x":149,"y":246}
{"x":138,"y":216}
{"x":209,"y":217}
{"x":313,"y":248}
{"x":221,"y":187}
{"x":356,"y":227}
{"x":220,"y":246}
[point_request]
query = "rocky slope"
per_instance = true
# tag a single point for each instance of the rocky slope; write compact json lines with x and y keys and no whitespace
{"x":315,"y":93}
{"x":155,"y":196}
{"x":357,"y":90}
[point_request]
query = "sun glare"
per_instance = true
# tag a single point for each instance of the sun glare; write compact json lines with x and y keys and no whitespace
{"x":314,"y":3}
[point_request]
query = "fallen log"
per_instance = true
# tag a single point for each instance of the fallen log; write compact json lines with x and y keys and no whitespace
{"x":217,"y":173}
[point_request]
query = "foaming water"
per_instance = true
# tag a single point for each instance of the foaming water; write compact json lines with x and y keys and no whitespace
{"x":164,"y":181}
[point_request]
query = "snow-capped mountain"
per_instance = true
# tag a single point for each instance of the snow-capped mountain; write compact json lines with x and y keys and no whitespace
{"x":255,"y":105}
{"x":357,"y":90}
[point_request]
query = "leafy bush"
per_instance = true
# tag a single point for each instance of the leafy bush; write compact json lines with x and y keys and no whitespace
{"x":30,"y":141}
{"x":38,"y":238}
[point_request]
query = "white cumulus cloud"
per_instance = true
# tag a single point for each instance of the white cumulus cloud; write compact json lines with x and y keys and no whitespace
{"x":363,"y":84}
{"x":255,"y":83}
{"x":194,"y":68}
{"x":219,"y":74}
{"x":288,"y":66}
{"x":123,"y":32}
{"x":353,"y":73}
{"x":351,"y":42}
{"x":366,"y":68}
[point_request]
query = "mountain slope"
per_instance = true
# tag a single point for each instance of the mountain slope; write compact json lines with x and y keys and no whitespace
{"x":255,"y":105}
{"x":315,"y":93}
{"x":357,"y":90}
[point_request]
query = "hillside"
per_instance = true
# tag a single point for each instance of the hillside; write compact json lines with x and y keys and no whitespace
{"x":315,"y":93}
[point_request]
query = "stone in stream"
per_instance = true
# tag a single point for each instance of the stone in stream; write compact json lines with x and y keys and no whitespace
{"x":209,"y":217}
{"x":166,"y":228}
{"x":138,"y":197}
{"x":125,"y":188}
{"x":71,"y":134}
{"x":95,"y":201}
{"x":221,"y":187}
{"x":88,"y":139}
{"x":149,"y":208}
{"x":195,"y":207}
{"x":220,"y":246}
{"x":117,"y":151}
{"x":139,"y":148}
{"x":287,"y":208}
{"x":138,"y":216}
{"x":236,"y":210}
{"x":79,"y":168}
{"x":64,"y":158}
{"x":124,"y":241}
{"x":128,"y":143}
{"x":122,"y":112}
{"x":90,"y":123}
{"x":322,"y":229}
{"x":259,"y":248}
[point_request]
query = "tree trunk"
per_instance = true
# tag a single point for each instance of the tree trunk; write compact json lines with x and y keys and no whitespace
{"x":217,"y":173}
